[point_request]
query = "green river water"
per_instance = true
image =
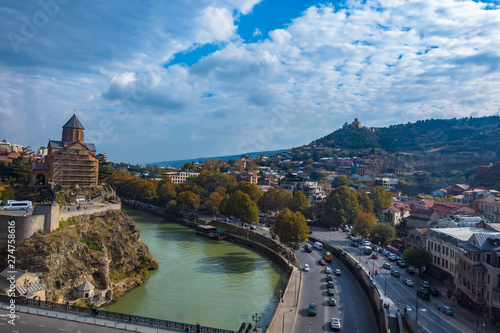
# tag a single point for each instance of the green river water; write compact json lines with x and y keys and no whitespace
{"x":215,"y":283}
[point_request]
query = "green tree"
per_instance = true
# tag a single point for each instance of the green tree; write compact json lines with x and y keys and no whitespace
{"x":188,"y":167}
{"x":251,"y":189}
{"x":366,"y":204}
{"x":241,"y":206}
{"x":381,"y":200}
{"x":274,"y":200}
{"x":190,"y":199}
{"x":171,"y":209}
{"x":340,"y":208}
{"x":341,"y":180}
{"x":365,"y":222}
{"x":298,"y":203}
{"x":308,"y":168}
{"x":214,"y":202}
{"x":382,"y":233}
{"x":417,"y":257}
{"x":166,"y":189}
{"x":291,"y":228}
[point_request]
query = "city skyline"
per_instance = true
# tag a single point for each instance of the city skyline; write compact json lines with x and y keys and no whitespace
{"x":186,"y":79}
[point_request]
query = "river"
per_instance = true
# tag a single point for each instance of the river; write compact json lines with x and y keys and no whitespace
{"x":215,"y":283}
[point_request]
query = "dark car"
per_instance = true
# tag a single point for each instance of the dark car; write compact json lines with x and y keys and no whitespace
{"x":330,"y":284}
{"x":434,"y":292}
{"x":446,"y":309}
{"x":423,"y":293}
{"x":312,"y":310}
{"x":354,"y":244}
{"x":330,"y":292}
{"x":403,"y":265}
{"x":411,"y":270}
{"x":308,"y":248}
{"x":329,"y":278}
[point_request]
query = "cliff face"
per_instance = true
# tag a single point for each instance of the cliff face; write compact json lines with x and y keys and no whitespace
{"x":101,"y":248}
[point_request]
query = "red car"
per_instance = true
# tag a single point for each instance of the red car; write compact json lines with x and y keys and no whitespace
{"x":374,"y":256}
{"x":322,"y":262}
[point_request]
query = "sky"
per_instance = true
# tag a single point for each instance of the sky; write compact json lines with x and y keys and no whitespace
{"x":163,"y":80}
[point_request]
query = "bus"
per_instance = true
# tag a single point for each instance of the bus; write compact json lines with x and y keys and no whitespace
{"x":17,"y":205}
{"x":392,"y":249}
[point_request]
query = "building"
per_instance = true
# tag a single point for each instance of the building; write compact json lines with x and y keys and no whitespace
{"x":417,"y":237}
{"x":6,"y":146}
{"x":26,"y":284}
{"x":422,"y":218}
{"x":312,"y":191}
{"x":69,"y":162}
{"x":395,"y":214}
{"x":489,"y":207}
{"x":245,"y":176}
{"x":388,"y":183}
{"x":180,"y":177}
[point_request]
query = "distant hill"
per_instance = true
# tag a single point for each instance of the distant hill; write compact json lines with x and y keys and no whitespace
{"x":180,"y":163}
{"x":433,"y":135}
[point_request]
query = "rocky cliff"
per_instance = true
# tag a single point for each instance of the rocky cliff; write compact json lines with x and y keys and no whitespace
{"x":104,"y":249}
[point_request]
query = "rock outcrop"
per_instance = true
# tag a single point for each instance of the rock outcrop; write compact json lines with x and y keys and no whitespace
{"x":102,"y":248}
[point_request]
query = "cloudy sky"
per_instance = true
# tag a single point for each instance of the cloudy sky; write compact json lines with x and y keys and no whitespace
{"x":162,"y":80}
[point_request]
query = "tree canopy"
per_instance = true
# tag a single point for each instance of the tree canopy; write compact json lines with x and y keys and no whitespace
{"x":417,"y":257}
{"x":291,"y":228}
{"x":298,"y":203}
{"x":365,"y":222}
{"x":382,"y":233}
{"x":381,"y":200}
{"x":341,"y":207}
{"x":241,"y":206}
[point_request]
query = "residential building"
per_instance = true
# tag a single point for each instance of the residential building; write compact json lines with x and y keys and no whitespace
{"x":395,"y":214}
{"x":245,"y":176}
{"x":181,"y":176}
{"x":489,"y":207}
{"x":422,"y":218}
{"x":6,"y":146}
{"x":388,"y":183}
{"x":416,"y":237}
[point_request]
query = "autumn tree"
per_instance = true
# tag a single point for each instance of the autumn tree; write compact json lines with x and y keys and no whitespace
{"x":188,"y":167}
{"x":291,"y":228}
{"x":365,"y":222}
{"x":298,"y":203}
{"x":213,"y":202}
{"x":190,"y":199}
{"x":383,"y":233}
{"x":340,"y":208}
{"x":241,"y":206}
{"x":366,"y":204}
{"x":274,"y":200}
{"x":166,"y":189}
{"x":381,"y":200}
{"x":251,"y":189}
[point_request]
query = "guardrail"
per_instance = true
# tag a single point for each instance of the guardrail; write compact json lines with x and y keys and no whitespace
{"x":120,"y":316}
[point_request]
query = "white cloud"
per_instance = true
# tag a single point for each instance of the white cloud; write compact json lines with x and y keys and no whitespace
{"x":215,"y":25}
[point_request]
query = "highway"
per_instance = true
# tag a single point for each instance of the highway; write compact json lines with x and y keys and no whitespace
{"x":401,"y":295}
{"x":353,"y":308}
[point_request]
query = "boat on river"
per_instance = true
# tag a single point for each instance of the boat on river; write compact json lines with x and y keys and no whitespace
{"x":210,"y":232}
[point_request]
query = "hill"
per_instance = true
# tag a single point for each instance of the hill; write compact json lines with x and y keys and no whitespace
{"x":180,"y":163}
{"x":446,"y":136}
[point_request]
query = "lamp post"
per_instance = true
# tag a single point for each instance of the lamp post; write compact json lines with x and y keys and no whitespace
{"x":281,"y":297}
{"x":256,"y":318}
{"x":416,"y":309}
{"x":283,"y":327}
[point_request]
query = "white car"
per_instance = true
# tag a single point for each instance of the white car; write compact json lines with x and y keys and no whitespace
{"x":306,"y":268}
{"x":338,"y":272}
{"x":409,"y":282}
{"x":328,"y":270}
{"x":335,"y":324}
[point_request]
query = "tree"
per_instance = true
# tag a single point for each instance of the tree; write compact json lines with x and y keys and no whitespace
{"x":213,"y":202}
{"x":417,"y":257}
{"x":298,"y":203}
{"x":251,"y":189}
{"x":341,"y":180}
{"x":188,"y":167}
{"x":291,"y":228}
{"x":191,"y":199}
{"x":241,"y":206}
{"x":383,"y":233}
{"x":171,"y":209}
{"x":166,"y":189}
{"x":308,"y":168}
{"x":366,"y":204}
{"x":365,"y":222}
{"x":381,"y":200}
{"x":340,"y":208}
{"x":274,"y":200}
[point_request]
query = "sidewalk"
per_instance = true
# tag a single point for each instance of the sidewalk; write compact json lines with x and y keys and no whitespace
{"x":287,"y":310}
{"x":86,"y":319}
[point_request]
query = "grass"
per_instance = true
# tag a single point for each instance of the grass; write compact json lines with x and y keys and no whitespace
{"x":90,"y":243}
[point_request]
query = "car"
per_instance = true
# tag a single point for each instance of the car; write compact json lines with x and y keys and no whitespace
{"x":409,"y":282}
{"x":330,"y":284}
{"x":330,"y":292}
{"x":308,"y":248}
{"x":354,"y":244}
{"x":252,"y":227}
{"x":322,"y":262}
{"x":425,"y":284}
{"x":411,"y":270}
{"x":245,"y":224}
{"x":335,"y":324}
{"x":423,"y":293}
{"x":313,"y":309}
{"x":403,"y":264}
{"x":328,"y":270}
{"x":332,"y":301}
{"x":386,"y":265}
{"x":446,"y":309}
{"x":395,"y":273}
{"x":329,"y":277}
{"x":306,"y":268}
{"x":398,"y":262}
{"x":434,"y":292}
{"x":338,"y":272}
{"x":374,"y":256}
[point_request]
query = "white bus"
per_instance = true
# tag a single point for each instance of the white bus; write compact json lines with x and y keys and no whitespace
{"x":17,"y":205}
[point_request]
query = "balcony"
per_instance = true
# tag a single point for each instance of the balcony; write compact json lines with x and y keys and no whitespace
{"x":468,"y":277}
{"x":475,"y":298}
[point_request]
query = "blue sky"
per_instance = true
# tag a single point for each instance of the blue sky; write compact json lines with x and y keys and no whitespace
{"x":163,"y":80}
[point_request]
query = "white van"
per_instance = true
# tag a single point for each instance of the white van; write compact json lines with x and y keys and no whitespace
{"x":318,"y":245}
{"x":17,"y":205}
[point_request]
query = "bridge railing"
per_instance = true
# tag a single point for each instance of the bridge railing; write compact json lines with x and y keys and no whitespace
{"x":120,"y":316}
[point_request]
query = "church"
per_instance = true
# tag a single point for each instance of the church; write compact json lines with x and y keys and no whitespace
{"x":69,"y":162}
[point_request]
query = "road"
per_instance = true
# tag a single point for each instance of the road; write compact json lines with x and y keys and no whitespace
{"x":396,"y":291}
{"x":353,"y":308}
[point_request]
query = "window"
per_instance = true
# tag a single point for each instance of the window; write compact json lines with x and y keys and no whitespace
{"x":447,"y":250}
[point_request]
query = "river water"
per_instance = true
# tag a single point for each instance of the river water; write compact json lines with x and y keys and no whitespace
{"x":215,"y":283}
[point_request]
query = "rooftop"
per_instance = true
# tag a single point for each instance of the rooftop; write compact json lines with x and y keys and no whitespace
{"x":464,"y":233}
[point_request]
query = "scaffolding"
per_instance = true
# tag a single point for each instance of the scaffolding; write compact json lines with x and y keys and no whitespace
{"x":75,"y":167}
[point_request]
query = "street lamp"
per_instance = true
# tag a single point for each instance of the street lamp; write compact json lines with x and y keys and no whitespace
{"x":281,"y":297}
{"x":283,"y":327}
{"x":256,"y":318}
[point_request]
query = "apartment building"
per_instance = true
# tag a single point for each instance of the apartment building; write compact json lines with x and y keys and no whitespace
{"x":489,"y":207}
{"x":181,"y":176}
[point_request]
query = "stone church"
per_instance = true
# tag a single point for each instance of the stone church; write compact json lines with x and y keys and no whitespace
{"x":69,"y":162}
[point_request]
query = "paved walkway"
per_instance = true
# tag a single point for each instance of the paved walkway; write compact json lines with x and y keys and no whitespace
{"x":81,"y":318}
{"x":287,"y":310}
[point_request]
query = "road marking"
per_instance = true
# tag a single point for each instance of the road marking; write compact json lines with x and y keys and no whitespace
{"x":62,"y":329}
{"x":41,"y":325}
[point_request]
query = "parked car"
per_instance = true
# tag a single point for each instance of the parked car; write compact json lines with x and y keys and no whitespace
{"x":328,"y":270}
{"x":312,"y":310}
{"x":403,"y":264}
{"x":409,"y":282}
{"x":354,"y":244}
{"x":338,"y":272}
{"x":386,"y":265}
{"x":332,"y":301}
{"x":434,"y":292}
{"x":330,"y":284}
{"x":329,"y":277}
{"x":306,"y":268}
{"x":322,"y":262}
{"x":252,"y":227}
{"x":411,"y":270}
{"x":374,"y":256}
{"x":446,"y":309}
{"x":330,"y":292}
{"x":335,"y":324}
{"x":426,"y":284}
{"x":395,"y":273}
{"x":308,"y":248}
